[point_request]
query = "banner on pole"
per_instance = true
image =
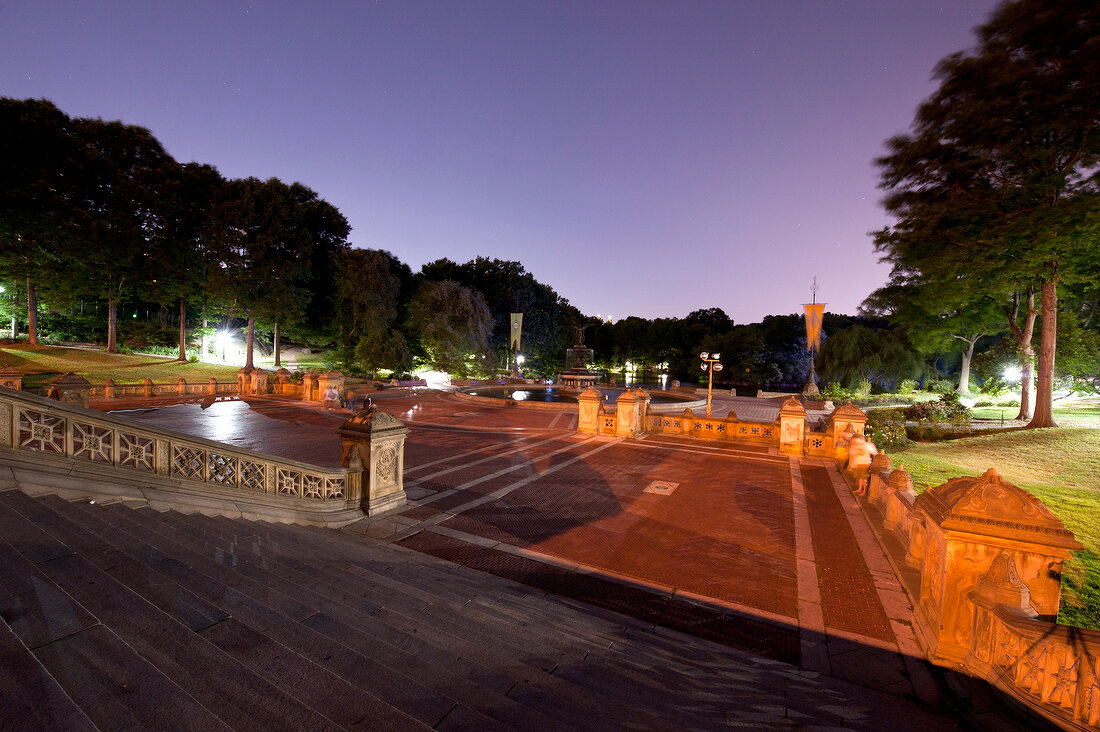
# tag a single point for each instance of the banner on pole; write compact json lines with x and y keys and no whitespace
{"x":517,"y":329}
{"x":814,"y":315}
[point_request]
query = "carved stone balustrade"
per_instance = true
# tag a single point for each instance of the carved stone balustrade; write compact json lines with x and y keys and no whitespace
{"x":376,"y":440}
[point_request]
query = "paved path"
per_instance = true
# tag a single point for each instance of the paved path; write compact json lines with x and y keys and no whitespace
{"x":734,"y":543}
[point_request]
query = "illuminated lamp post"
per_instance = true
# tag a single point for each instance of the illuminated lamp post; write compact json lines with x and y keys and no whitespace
{"x":710,"y":365}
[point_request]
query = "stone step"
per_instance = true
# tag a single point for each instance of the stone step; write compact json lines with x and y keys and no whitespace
{"x":341,"y":618}
{"x":444,"y":593}
{"x":112,"y":684}
{"x":164,"y":626}
{"x":33,"y":700}
{"x":547,"y":693}
{"x":324,"y":675}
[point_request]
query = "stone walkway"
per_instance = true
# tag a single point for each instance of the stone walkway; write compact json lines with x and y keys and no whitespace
{"x":732,"y":543}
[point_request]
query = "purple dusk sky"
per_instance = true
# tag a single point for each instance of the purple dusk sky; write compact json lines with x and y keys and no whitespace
{"x":641,"y":158}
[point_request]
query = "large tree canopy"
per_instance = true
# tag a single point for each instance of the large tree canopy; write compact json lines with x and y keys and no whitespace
{"x":997,"y":185}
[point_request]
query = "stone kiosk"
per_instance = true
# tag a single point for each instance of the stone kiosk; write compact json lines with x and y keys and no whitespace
{"x":591,"y":408}
{"x":792,"y":427}
{"x":380,"y":438}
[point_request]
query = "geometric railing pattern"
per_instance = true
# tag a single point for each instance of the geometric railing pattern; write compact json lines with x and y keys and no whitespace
{"x":53,"y":430}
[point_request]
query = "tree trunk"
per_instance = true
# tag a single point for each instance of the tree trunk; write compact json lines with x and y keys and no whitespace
{"x":1023,"y":346}
{"x":32,"y":313}
{"x":14,"y":315}
{"x":964,"y":370}
{"x":1044,"y":392}
{"x":204,"y":346}
{"x":112,"y":317}
{"x":183,"y":330}
{"x":248,"y":344}
{"x":276,"y":345}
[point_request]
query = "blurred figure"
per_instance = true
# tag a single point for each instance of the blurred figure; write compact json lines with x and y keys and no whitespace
{"x":860,"y":452}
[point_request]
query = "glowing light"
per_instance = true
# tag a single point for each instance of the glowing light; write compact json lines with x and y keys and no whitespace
{"x":520,"y":358}
{"x":519,"y":396}
{"x":1012,"y":374}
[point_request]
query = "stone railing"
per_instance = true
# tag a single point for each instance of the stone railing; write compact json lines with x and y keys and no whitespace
{"x":791,"y":433}
{"x":989,"y":561}
{"x":55,"y":446}
{"x":111,"y":390}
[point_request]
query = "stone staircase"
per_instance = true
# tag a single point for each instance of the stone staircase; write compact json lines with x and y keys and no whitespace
{"x":115,"y":617}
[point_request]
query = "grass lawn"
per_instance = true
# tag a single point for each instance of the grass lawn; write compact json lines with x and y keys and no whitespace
{"x":1059,"y":466}
{"x":42,"y":364}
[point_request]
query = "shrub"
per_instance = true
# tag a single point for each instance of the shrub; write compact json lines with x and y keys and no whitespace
{"x":886,"y":428}
{"x":833,"y":390}
{"x":940,"y":386}
{"x":863,"y":387}
{"x":936,"y":420}
{"x":907,"y":386}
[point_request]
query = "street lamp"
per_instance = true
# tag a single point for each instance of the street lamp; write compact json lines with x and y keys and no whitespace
{"x":710,"y":365}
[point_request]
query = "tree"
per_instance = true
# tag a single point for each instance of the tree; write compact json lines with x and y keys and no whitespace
{"x":184,"y":246}
{"x":862,"y":353}
{"x":453,"y":324}
{"x":120,"y":181}
{"x":38,"y":162}
{"x":368,"y":290}
{"x":937,"y":318}
{"x":998,"y":186}
{"x":272,"y":235}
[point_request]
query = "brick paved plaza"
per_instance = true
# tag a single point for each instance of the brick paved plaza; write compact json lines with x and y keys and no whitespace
{"x":730,"y":542}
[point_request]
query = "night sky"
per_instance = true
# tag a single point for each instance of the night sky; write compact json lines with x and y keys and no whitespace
{"x":641,"y":158}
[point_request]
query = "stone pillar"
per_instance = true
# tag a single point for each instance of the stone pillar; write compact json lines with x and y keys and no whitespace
{"x":147,"y":387}
{"x":589,"y":408}
{"x":259,"y":382}
{"x":687,"y":421}
{"x":109,"y":389}
{"x":845,"y":422}
{"x":330,"y":380}
{"x":969,"y":522}
{"x":282,"y":378}
{"x":626,"y":415}
{"x":70,"y":389}
{"x":792,"y":427}
{"x":309,"y":386}
{"x":380,"y":439}
{"x":880,"y":473}
{"x":643,"y":409}
{"x":213,"y":386}
{"x":244,"y":380}
{"x":11,"y":378}
{"x":181,"y":386}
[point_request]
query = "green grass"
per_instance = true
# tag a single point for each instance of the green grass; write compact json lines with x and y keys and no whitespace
{"x":44,"y":363}
{"x":1061,"y":467}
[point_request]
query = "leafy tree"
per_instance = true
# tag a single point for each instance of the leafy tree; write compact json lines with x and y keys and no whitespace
{"x":120,"y":182}
{"x":38,"y":161}
{"x":453,"y":324}
{"x":859,"y":353}
{"x":997,"y":185}
{"x":184,"y":247}
{"x":368,"y":289}
{"x":384,"y":350}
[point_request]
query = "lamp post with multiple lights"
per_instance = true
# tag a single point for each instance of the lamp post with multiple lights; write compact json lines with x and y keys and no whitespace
{"x":710,"y":365}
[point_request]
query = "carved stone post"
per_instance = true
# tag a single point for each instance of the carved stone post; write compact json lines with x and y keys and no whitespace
{"x":109,"y":389}
{"x":309,"y":386}
{"x":845,"y":422}
{"x":181,"y":386}
{"x":147,"y":387}
{"x":968,"y":522}
{"x":70,"y":389}
{"x":380,"y":438}
{"x":213,"y":386}
{"x":642,"y":406}
{"x":259,"y":382}
{"x":11,"y":378}
{"x":244,"y":380}
{"x":589,"y":408}
{"x":687,"y":421}
{"x":330,"y":380}
{"x":792,"y":427}
{"x":282,"y":378}
{"x":626,"y":415}
{"x":880,"y":473}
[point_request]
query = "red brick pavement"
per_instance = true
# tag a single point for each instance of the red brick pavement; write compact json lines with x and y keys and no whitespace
{"x":849,"y":600}
{"x":725,"y":532}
